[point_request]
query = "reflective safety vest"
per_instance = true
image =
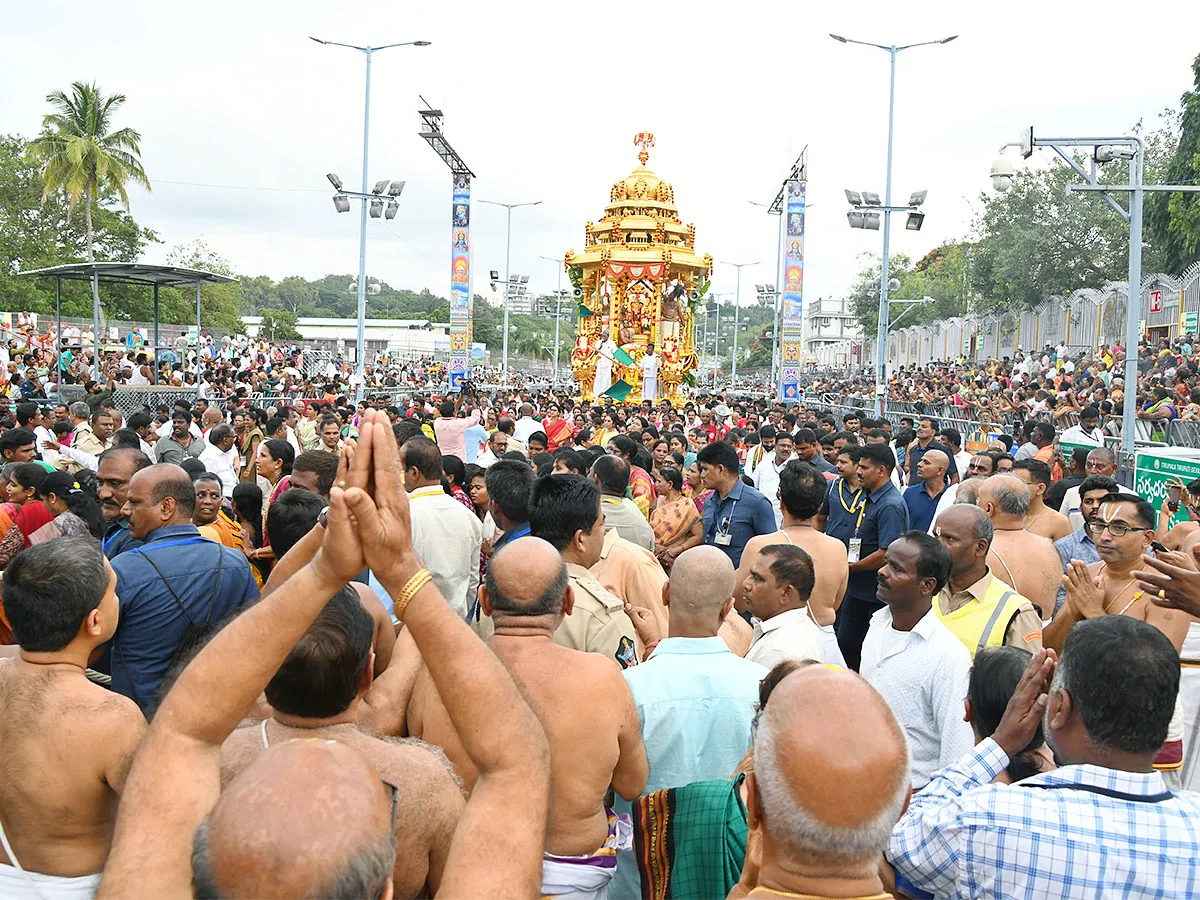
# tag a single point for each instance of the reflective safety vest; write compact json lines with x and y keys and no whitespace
{"x":981,"y":623}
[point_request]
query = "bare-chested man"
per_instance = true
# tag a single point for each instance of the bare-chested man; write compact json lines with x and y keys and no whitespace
{"x":582,"y":701}
{"x":1122,"y":531}
{"x":312,"y":818}
{"x":316,"y":694}
{"x":65,"y":743}
{"x":1025,"y":561}
{"x":1041,"y":519}
{"x":802,"y":491}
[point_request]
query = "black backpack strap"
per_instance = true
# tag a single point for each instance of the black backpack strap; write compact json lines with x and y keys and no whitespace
{"x":212,"y":600}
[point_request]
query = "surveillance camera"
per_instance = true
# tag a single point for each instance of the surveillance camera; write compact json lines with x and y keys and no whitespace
{"x":1002,"y":174}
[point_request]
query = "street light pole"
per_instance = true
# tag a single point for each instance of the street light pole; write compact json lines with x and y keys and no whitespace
{"x":507,"y":261}
{"x":737,"y":302}
{"x":557,"y":310}
{"x":882,"y":331}
{"x":362,"y":222}
{"x":778,"y":293}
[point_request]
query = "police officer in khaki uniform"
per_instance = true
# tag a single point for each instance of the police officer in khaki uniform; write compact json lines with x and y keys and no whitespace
{"x":565,"y":510}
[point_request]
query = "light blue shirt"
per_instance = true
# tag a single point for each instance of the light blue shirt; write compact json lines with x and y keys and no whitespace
{"x":472,"y":438}
{"x":695,"y":700}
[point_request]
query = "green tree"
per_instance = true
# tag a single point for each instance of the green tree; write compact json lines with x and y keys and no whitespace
{"x":220,"y":304}
{"x":864,"y":292}
{"x":279,"y":325}
{"x":1173,"y":220}
{"x":35,"y":234}
{"x":81,"y":156}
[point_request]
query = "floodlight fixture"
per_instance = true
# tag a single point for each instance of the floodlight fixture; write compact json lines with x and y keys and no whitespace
{"x":341,"y":203}
{"x":870,"y":198}
{"x":380,"y":187}
{"x":396,"y":189}
{"x":770,"y":288}
{"x":390,"y":212}
{"x":854,"y":198}
{"x":915,"y":220}
{"x":376,"y":209}
{"x":917,"y":198}
{"x":871,"y":221}
{"x":494,"y":274}
{"x":855,"y":218}
{"x":334,"y":180}
{"x":761,"y":288}
{"x":1026,"y":142}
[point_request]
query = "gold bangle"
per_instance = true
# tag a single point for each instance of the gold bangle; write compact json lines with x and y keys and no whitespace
{"x":414,"y":584}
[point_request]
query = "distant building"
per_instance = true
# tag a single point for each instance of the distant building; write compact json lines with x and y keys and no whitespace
{"x":402,"y":337}
{"x":831,"y":334}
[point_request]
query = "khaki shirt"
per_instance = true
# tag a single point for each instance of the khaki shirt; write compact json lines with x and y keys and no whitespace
{"x":633,"y":574}
{"x":1025,"y":628}
{"x":598,"y":623}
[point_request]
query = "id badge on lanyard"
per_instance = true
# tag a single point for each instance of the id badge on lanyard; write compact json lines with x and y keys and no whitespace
{"x":725,"y":538}
{"x":854,"y":550}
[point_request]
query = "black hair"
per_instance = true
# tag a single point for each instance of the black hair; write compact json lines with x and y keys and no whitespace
{"x":274,"y":423}
{"x":25,"y":412}
{"x":446,"y":409}
{"x":193,"y":467}
{"x":671,"y":476}
{"x":283,"y":452}
{"x":953,"y":436}
{"x":792,"y":565}
{"x":27,"y":474}
{"x":16,"y":438}
{"x":933,"y":559}
{"x":1045,"y":429}
{"x":1038,"y":470}
{"x":1123,"y":677}
{"x":878,"y":455}
{"x":49,"y":590}
{"x":127,"y":438}
{"x":137,"y":420}
{"x":1097,"y":483}
{"x":454,"y":468}
{"x":802,"y":489}
{"x":994,"y":677}
{"x":509,"y":484}
{"x":247,"y":501}
{"x":422,"y":454}
{"x":540,"y":437}
{"x":560,"y":506}
{"x":516,"y":456}
{"x":613,"y":474}
{"x":572,"y":459}
{"x":1144,"y":511}
{"x":853,"y":451}
{"x":405,"y":430}
{"x":81,"y":502}
{"x":720,"y":453}
{"x":322,"y":673}
{"x":292,"y":516}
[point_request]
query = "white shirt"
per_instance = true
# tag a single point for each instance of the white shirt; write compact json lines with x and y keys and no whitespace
{"x":486,"y":458}
{"x":944,"y":503}
{"x":962,"y":459}
{"x":1077,"y":434}
{"x":223,"y":465}
{"x":923,"y":676}
{"x":447,"y":538}
{"x":789,"y":635}
{"x":524,"y":427}
{"x":766,"y":479}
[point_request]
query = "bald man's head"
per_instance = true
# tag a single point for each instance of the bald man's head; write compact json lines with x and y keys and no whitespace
{"x":526,"y":578}
{"x":158,"y":496}
{"x":1004,"y":498}
{"x":831,"y":770}
{"x":305,"y":819}
{"x":701,"y":581}
{"x":934,"y":463}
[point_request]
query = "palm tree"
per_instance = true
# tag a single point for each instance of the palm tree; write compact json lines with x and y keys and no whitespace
{"x":79,"y":155}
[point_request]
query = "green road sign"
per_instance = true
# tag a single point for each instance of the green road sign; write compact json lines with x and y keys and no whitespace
{"x":1155,"y":469}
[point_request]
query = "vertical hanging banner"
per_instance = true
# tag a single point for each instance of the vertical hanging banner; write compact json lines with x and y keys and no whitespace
{"x":460,"y":282}
{"x":792,"y":314}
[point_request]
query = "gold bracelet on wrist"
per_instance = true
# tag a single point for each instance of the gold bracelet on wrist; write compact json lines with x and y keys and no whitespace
{"x":414,"y":584}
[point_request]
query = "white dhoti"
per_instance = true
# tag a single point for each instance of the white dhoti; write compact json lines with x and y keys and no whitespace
{"x":649,"y":377}
{"x":1189,"y":700}
{"x":603,"y":379}
{"x":16,"y":882}
{"x":587,"y":877}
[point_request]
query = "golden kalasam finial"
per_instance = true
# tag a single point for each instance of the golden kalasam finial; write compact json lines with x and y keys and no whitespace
{"x":646,"y":140}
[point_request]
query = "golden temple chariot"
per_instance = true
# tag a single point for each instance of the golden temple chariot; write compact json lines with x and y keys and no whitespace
{"x":638,"y":280}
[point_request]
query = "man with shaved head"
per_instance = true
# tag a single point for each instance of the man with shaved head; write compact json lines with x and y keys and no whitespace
{"x":922,"y":496}
{"x":694,"y":697}
{"x":827,"y":787}
{"x":319,"y":693}
{"x":312,"y":817}
{"x":978,"y":608}
{"x":1024,"y":561}
{"x":173,"y":587}
{"x":582,"y":702}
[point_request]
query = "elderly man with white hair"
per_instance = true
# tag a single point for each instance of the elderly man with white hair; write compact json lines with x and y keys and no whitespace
{"x":826,"y":789}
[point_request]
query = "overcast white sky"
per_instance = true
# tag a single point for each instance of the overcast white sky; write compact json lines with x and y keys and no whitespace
{"x":542,"y":99}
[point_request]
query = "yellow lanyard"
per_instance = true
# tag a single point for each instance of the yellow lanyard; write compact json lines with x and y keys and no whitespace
{"x":853,"y":500}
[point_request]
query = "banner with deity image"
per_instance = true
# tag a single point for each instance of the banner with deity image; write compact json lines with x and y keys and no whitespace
{"x":791,"y":325}
{"x":460,"y":282}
